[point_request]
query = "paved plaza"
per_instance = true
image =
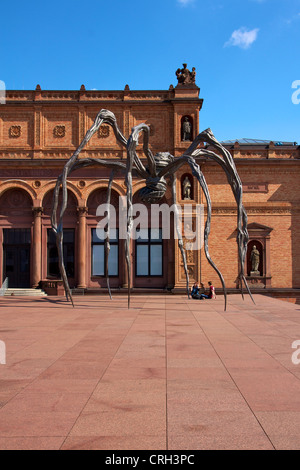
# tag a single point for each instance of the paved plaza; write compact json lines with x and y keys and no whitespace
{"x":169,"y":373}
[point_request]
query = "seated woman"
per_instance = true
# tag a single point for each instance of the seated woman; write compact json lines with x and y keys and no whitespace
{"x":212,"y":293}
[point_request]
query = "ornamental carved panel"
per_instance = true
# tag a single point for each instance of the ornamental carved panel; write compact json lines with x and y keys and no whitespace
{"x":15,"y":132}
{"x":103,"y":132}
{"x":104,"y":138}
{"x":16,"y":129}
{"x":59,"y":131}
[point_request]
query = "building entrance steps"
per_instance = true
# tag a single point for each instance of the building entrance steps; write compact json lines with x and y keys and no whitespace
{"x":24,"y":292}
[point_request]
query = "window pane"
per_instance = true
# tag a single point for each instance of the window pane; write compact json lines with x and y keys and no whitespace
{"x":68,"y":236}
{"x":98,"y":260}
{"x":113,"y":261}
{"x":99,"y":236}
{"x":142,"y":235}
{"x":142,"y":262}
{"x":156,"y":234}
{"x":113,"y":235}
{"x":156,"y":260}
{"x":69,"y":259}
{"x":51,"y":237}
{"x":18,"y":236}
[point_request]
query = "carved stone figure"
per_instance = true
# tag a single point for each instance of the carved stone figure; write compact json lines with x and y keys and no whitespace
{"x":186,"y":129}
{"x":186,"y":188}
{"x":185,"y":77}
{"x":255,"y":258}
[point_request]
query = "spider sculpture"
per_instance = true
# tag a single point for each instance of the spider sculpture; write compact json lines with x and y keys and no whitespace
{"x":160,"y":167}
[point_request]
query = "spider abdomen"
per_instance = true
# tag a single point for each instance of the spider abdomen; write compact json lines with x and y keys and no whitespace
{"x":154,"y":190}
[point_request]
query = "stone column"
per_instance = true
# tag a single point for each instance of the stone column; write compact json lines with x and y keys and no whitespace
{"x":37,"y":246}
{"x":81,"y":252}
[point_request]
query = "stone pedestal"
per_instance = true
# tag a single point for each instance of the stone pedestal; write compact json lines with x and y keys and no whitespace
{"x":254,"y":273}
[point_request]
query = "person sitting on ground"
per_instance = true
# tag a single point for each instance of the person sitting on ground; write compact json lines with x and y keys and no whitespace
{"x":202,"y":292}
{"x":212,"y":293}
{"x":195,"y":291}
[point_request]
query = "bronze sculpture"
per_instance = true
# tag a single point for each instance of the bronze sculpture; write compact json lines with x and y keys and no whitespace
{"x":160,"y":167}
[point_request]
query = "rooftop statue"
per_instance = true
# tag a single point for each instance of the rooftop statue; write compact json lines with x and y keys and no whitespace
{"x":185,"y":77}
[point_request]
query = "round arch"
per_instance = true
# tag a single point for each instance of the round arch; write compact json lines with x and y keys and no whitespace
{"x":50,"y":185}
{"x":13,"y":184}
{"x":103,"y":184}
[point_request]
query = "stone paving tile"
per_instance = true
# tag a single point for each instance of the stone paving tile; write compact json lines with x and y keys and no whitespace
{"x":139,"y":442}
{"x":31,"y":443}
{"x":168,"y":373}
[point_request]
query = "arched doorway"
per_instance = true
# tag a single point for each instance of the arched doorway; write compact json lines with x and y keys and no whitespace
{"x":16,"y":215}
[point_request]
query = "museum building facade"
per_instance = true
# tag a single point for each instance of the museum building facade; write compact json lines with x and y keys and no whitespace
{"x":40,"y":130}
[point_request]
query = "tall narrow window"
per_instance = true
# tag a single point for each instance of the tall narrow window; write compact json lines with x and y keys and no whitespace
{"x":68,"y":251}
{"x":98,"y":253}
{"x":149,"y":253}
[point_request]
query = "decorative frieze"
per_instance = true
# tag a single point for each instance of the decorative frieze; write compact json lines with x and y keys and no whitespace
{"x":263,"y":210}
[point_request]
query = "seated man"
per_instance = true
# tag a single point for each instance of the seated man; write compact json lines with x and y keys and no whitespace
{"x":195,"y":291}
{"x":202,"y":292}
{"x":198,"y":292}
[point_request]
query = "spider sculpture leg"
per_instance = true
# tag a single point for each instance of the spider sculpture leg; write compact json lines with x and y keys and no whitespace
{"x":107,"y":241}
{"x":169,"y":171}
{"x":131,"y":159}
{"x":73,"y":164}
{"x":179,"y":235}
{"x":227,"y":163}
{"x":58,"y":229}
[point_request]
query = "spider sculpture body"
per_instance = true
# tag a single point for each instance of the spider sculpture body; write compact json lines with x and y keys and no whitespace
{"x":160,"y":168}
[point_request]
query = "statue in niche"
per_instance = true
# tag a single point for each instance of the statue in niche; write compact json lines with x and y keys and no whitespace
{"x":255,"y":259}
{"x":186,"y":129}
{"x":186,"y":188}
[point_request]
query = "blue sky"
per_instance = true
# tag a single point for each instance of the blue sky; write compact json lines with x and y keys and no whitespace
{"x":246,"y":54}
